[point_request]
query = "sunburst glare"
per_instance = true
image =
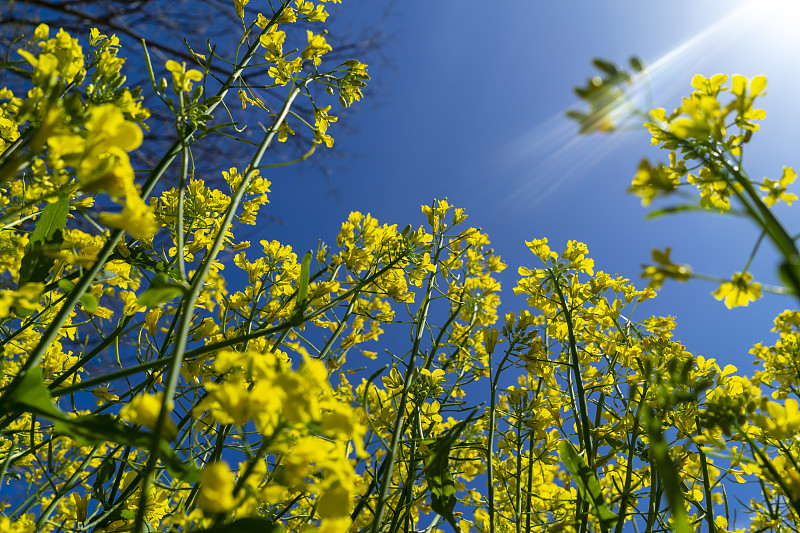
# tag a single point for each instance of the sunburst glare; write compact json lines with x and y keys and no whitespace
{"x":551,"y":155}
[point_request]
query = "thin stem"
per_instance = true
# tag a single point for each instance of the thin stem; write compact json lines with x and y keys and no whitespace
{"x":391,"y":453}
{"x":196,"y":286}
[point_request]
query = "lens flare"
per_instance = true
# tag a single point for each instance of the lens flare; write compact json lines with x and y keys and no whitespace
{"x":551,"y":156}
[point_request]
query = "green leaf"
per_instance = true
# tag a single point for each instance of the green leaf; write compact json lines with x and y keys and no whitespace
{"x":160,"y":280}
{"x":92,"y":429}
{"x":95,"y":429}
{"x":53,"y":219}
{"x":588,"y":484}
{"x":606,"y":66}
{"x":683,"y":208}
{"x":65,"y":285}
{"x":636,"y":64}
{"x":139,"y":258}
{"x":161,"y":291}
{"x":46,"y":235}
{"x":154,"y":297}
{"x":105,"y":275}
{"x":670,"y":478}
{"x":186,"y":471}
{"x":790,"y":274}
{"x":101,"y":477}
{"x":437,"y":473}
{"x":302,"y":290}
{"x":31,"y":395}
{"x":577,"y":115}
{"x":36,"y":263}
{"x":89,"y":302}
{"x":302,"y":283}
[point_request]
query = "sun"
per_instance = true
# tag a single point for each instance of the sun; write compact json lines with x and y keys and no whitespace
{"x":772,"y":16}
{"x":744,"y":33}
{"x":781,"y":8}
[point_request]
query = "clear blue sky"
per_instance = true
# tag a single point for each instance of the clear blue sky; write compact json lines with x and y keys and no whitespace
{"x":470,"y":105}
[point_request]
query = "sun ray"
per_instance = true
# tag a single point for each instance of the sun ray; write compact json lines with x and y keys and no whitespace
{"x":551,"y":156}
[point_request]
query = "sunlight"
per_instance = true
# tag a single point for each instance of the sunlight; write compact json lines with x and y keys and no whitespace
{"x":550,"y":155}
{"x":780,"y":13}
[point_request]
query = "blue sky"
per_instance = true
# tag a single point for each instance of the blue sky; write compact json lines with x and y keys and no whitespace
{"x":470,"y":105}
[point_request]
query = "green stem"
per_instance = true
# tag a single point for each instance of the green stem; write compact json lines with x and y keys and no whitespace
{"x":623,"y":506}
{"x":495,"y":379}
{"x":67,"y":487}
{"x":584,"y":429}
{"x":518,"y":487}
{"x":196,"y":286}
{"x":765,"y":462}
{"x":53,"y":329}
{"x":709,"y":510}
{"x":391,"y":453}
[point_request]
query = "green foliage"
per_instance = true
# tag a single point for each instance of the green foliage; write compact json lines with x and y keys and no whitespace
{"x":438,"y":472}
{"x":588,"y":484}
{"x":46,"y":237}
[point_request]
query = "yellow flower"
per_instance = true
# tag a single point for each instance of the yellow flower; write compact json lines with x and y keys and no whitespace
{"x":61,"y":56}
{"x":350,"y":85}
{"x":273,"y":493}
{"x":239,"y":4}
{"x":783,"y":421}
{"x":230,"y":403}
{"x":541,"y":250}
{"x":430,"y":412}
{"x":318,"y":14}
{"x":144,"y":409}
{"x":739,"y":291}
{"x":743,"y":105}
{"x":42,"y":32}
{"x":216,"y":489}
{"x":81,"y":506}
{"x":108,"y":128}
{"x":653,"y":181}
{"x":273,"y":42}
{"x":436,"y":212}
{"x":24,"y":300}
{"x":777,"y":189}
{"x":320,"y":138}
{"x":109,"y":172}
{"x":206,"y":329}
{"x":285,"y":70}
{"x":245,"y":99}
{"x":575,"y":254}
{"x":104,"y":395}
{"x":312,"y":12}
{"x":23,"y":525}
{"x":665,"y":268}
{"x":287,"y":16}
{"x":136,"y":218}
{"x":317,"y":46}
{"x":490,"y":339}
{"x":321,"y":118}
{"x":151,"y":320}
{"x":284,"y":130}
{"x":334,"y":503}
{"x":181,"y":78}
{"x":334,"y":525}
{"x":710,"y":87}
